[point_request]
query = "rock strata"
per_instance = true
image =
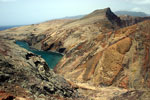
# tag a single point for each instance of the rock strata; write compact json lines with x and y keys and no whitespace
{"x":120,"y":59}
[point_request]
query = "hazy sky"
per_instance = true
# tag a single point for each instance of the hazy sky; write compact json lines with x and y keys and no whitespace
{"x":19,"y":12}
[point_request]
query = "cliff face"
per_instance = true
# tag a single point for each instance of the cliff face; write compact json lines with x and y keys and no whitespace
{"x":26,"y":76}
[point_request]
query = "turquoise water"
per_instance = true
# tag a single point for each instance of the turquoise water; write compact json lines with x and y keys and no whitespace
{"x":50,"y":57}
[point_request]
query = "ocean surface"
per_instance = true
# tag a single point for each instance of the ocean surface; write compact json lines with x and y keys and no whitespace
{"x":50,"y":57}
{"x":8,"y":27}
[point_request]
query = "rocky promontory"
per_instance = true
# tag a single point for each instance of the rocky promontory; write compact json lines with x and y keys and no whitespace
{"x":26,"y":76}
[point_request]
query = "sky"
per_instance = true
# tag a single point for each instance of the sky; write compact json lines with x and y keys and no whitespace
{"x":23,"y":12}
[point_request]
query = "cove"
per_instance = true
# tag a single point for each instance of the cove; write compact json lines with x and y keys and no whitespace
{"x":51,"y":58}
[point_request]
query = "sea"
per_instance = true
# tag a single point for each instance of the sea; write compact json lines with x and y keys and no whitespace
{"x":51,"y":58}
{"x":8,"y":27}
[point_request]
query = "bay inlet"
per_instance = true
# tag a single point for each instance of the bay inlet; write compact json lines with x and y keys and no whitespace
{"x":51,"y":58}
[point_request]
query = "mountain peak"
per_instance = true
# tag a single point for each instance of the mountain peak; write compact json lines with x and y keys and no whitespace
{"x":99,"y":12}
{"x":103,"y":17}
{"x":104,"y":14}
{"x":105,"y":10}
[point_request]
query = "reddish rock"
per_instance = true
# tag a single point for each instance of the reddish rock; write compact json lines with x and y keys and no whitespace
{"x":124,"y":82}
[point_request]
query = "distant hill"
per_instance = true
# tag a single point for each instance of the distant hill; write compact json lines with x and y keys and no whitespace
{"x":131,"y":13}
{"x":73,"y":17}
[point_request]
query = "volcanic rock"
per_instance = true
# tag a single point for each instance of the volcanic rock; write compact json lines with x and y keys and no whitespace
{"x":26,"y":75}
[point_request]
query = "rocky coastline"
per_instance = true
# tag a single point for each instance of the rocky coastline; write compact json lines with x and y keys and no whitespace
{"x":27,"y":76}
{"x":106,"y":57}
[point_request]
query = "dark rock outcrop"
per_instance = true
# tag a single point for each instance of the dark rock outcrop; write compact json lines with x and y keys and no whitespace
{"x":35,"y":40}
